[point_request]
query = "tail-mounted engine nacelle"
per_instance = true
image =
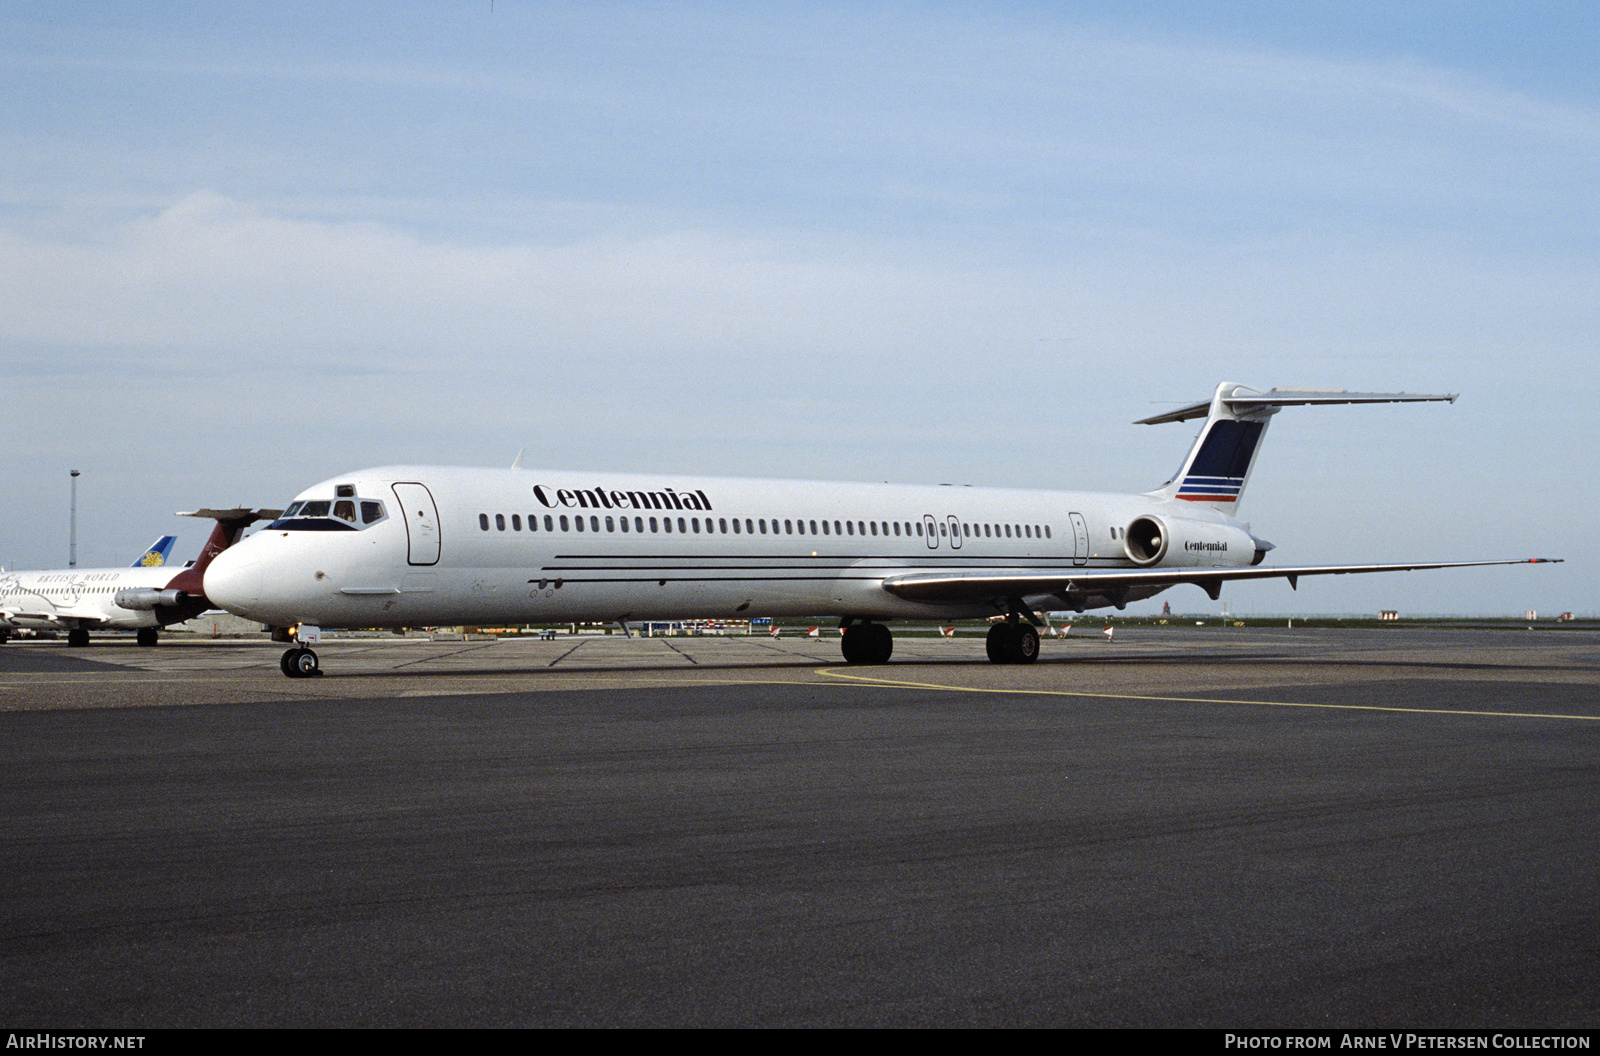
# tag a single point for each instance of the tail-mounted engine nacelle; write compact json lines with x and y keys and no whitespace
{"x":1174,"y":542}
{"x":147,"y":599}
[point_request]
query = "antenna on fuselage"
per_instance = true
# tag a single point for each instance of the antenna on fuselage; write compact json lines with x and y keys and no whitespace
{"x":516,"y":463}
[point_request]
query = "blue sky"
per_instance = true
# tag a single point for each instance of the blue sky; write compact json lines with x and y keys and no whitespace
{"x":247,"y":247}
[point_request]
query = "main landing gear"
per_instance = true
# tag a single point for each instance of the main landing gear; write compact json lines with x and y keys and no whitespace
{"x":299,"y":663}
{"x":866,"y":643}
{"x":1012,"y":643}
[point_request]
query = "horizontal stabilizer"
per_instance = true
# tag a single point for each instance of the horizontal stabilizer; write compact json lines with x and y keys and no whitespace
{"x":1246,"y":401}
{"x":238,"y":513}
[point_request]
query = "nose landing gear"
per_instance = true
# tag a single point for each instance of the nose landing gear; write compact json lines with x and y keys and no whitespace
{"x":299,"y":663}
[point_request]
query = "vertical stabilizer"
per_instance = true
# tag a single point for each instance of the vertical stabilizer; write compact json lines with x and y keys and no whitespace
{"x":1218,"y":465}
{"x":158,"y":553}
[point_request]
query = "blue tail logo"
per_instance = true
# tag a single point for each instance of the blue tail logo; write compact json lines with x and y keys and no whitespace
{"x":157,"y":555}
{"x":1218,"y":470}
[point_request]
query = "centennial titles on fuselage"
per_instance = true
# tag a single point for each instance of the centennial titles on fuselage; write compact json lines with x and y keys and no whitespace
{"x":601,"y":499}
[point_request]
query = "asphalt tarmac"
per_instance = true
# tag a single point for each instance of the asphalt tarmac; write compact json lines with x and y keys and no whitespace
{"x":1187,"y":827}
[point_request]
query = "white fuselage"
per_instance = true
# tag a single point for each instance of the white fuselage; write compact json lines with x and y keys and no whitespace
{"x":401,"y":546}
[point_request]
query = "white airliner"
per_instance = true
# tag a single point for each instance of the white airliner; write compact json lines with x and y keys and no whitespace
{"x":400,"y":546}
{"x":142,"y":598}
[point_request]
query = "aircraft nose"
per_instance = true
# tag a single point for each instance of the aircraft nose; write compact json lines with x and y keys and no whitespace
{"x":233,"y":581}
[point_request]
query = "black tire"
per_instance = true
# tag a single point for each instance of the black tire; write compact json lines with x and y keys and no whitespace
{"x":866,"y":643}
{"x":1012,"y":643}
{"x":882,"y":642}
{"x":998,"y":643}
{"x":146,"y":636}
{"x":299,"y":663}
{"x":77,"y":638}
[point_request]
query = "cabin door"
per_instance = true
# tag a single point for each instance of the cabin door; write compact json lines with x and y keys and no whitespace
{"x":422,"y":522}
{"x":1080,"y":539}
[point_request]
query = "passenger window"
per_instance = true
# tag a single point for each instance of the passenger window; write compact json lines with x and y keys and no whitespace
{"x":500,"y":521}
{"x":483,"y":521}
{"x":516,"y":522}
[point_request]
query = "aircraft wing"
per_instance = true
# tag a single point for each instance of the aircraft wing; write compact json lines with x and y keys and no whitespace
{"x":47,"y":620}
{"x":1002,"y":584}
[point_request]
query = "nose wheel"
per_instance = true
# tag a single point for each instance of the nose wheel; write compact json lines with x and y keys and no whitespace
{"x":300,"y":663}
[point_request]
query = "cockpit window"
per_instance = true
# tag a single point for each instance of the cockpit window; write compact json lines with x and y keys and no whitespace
{"x":344,"y":514}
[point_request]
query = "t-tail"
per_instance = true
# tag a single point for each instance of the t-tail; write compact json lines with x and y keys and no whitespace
{"x":1218,"y":465}
{"x":158,"y":553}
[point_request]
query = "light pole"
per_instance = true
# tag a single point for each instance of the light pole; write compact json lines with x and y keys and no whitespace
{"x":72,"y":535}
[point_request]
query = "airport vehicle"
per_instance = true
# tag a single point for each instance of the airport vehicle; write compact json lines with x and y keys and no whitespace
{"x":141,"y":598}
{"x":399,"y":546}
